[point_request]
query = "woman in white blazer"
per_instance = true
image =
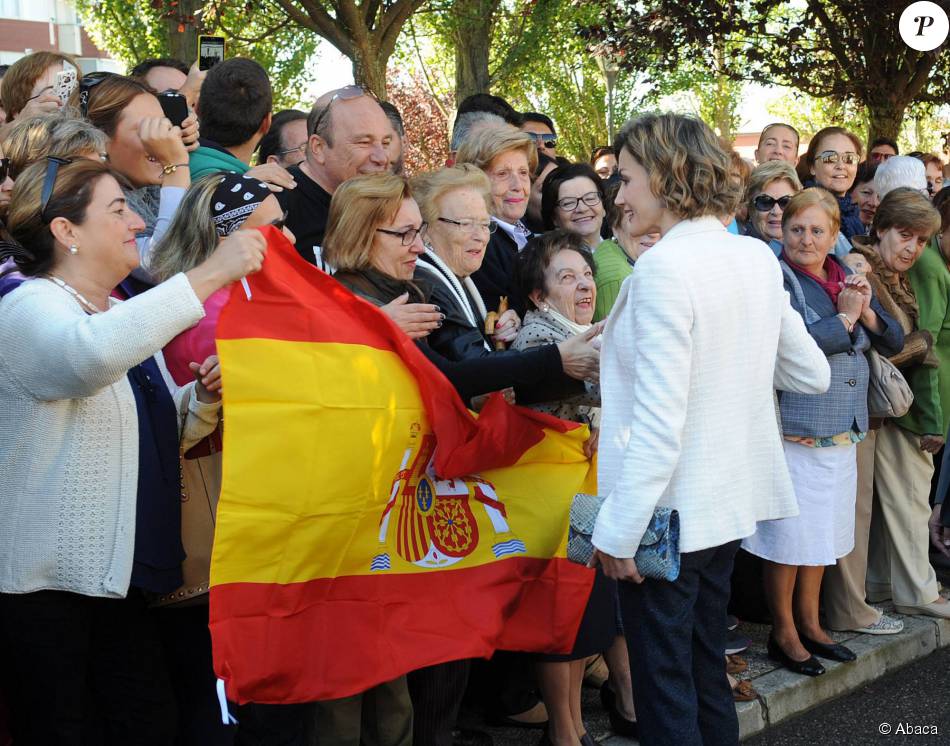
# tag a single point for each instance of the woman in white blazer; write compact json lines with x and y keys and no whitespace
{"x":83,"y":415}
{"x":700,"y":333}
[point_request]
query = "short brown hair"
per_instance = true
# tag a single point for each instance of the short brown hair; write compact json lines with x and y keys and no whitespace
{"x":359,"y":206}
{"x":428,"y":188}
{"x":766,"y":173}
{"x":690,"y":173}
{"x":34,"y":246}
{"x":814,"y":197}
{"x":486,"y":144}
{"x":906,"y":208}
{"x":108,"y":99}
{"x":22,"y":76}
{"x":535,"y":257}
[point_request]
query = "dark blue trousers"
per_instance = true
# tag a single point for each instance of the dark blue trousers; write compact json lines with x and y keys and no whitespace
{"x":676,"y":638}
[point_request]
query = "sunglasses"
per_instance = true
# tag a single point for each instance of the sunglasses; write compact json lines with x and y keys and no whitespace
{"x":765,"y":203}
{"x":344,"y":94}
{"x":49,"y":182}
{"x":407,"y":237}
{"x":86,"y":85}
{"x":280,"y":222}
{"x":831,"y":156}
{"x":548,"y":141}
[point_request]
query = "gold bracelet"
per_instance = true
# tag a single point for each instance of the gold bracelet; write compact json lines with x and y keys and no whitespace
{"x":170,"y":168}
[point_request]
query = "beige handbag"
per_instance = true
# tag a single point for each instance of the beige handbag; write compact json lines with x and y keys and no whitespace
{"x":201,"y":487}
{"x":889,"y":394}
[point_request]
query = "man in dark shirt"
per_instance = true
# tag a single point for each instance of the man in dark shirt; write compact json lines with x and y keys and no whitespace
{"x":350,"y":135}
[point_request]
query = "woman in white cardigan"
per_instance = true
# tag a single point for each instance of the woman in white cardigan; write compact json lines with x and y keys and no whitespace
{"x":73,"y":391}
{"x":700,"y":330}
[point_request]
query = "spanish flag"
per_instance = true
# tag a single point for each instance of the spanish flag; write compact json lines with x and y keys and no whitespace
{"x":368,"y":523}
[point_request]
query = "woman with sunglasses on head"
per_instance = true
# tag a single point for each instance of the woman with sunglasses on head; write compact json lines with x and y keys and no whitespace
{"x":831,"y":162}
{"x":143,"y":146}
{"x":770,"y":188}
{"x":89,"y":437}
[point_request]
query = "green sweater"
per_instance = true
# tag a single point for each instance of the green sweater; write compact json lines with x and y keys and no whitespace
{"x":205,"y":160}
{"x":612,"y":269}
{"x":930,"y":280}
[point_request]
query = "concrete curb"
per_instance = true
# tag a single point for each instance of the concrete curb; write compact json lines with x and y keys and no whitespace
{"x":783,"y":694}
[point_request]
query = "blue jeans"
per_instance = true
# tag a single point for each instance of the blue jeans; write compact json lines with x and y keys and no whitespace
{"x":676,"y":639}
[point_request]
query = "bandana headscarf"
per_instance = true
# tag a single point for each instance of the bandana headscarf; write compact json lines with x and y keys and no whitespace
{"x":235,"y":198}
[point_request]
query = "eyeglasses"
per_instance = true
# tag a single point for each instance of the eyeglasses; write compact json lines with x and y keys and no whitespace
{"x":287,"y":151}
{"x":4,"y":169}
{"x":878,"y":157}
{"x":42,"y":91}
{"x":86,"y":85}
{"x":765,"y":203}
{"x":280,"y":222}
{"x":547,"y":141}
{"x":345,"y":94}
{"x":831,"y":156}
{"x":52,"y":169}
{"x":407,"y":237}
{"x":570,"y":204}
{"x":468,"y":225}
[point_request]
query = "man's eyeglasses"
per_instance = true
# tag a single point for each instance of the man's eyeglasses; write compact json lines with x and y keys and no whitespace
{"x":86,"y":85}
{"x":468,"y":225}
{"x":52,"y":169}
{"x":878,"y":157}
{"x":407,"y":237}
{"x":570,"y":204}
{"x":344,"y":94}
{"x":288,"y":151}
{"x":831,"y":156}
{"x":765,"y":203}
{"x":547,"y":141}
{"x":280,"y":222}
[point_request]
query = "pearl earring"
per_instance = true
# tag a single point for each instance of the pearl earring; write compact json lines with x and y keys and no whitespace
{"x":73,"y":249}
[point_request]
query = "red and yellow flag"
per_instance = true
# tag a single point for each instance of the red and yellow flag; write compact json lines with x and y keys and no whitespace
{"x":369,"y":524}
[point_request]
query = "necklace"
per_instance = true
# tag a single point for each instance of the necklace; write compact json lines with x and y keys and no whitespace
{"x":87,"y":305}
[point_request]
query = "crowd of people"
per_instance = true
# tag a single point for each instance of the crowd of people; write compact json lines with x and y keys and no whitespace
{"x":720,"y":327}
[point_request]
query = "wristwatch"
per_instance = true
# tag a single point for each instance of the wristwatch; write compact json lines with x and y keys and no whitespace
{"x":170,"y":168}
{"x":847,"y":320}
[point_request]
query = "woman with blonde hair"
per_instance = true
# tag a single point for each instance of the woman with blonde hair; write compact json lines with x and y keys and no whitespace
{"x":771,"y":186}
{"x":509,"y":158}
{"x":61,"y":133}
{"x":701,"y":333}
{"x":820,"y":432}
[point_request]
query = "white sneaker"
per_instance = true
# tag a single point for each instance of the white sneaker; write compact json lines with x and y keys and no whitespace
{"x":941,"y":611}
{"x":885,"y":625}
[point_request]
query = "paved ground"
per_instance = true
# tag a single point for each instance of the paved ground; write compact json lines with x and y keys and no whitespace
{"x":917,"y":696}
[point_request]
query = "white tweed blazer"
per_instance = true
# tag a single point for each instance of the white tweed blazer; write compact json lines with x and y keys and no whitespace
{"x":68,"y":432}
{"x":701,"y":333}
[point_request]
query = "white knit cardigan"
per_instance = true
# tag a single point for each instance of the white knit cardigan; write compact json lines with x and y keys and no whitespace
{"x":700,"y":333}
{"x":68,"y":432}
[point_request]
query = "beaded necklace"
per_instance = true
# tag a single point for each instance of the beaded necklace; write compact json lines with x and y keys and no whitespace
{"x":88,"y":306}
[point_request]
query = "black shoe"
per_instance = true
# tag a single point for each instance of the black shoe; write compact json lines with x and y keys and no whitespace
{"x":618,"y":723}
{"x":833,"y":652}
{"x":588,"y":740}
{"x":807,"y":667}
{"x":736,"y":643}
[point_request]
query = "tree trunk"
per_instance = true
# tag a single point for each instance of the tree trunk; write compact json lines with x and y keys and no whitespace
{"x":369,"y":69}
{"x":473,"y":25}
{"x":183,"y":45}
{"x":885,"y":118}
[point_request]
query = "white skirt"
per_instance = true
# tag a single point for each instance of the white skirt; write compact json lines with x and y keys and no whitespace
{"x":825,"y":481}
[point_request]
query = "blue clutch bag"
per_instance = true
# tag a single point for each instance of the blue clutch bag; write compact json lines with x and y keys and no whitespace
{"x":658,"y":555}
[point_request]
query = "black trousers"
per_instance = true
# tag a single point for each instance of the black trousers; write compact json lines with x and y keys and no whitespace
{"x":436,"y":693}
{"x":676,"y":637}
{"x":84,"y":671}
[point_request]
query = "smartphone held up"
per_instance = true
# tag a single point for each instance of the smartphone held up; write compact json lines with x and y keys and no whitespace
{"x":210,"y":51}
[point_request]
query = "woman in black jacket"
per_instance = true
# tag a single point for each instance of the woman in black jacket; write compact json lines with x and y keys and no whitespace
{"x":375,"y":238}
